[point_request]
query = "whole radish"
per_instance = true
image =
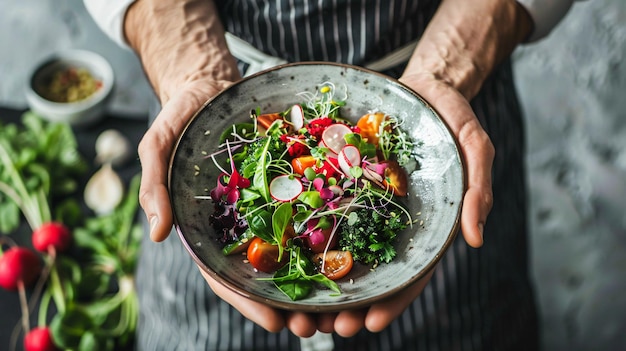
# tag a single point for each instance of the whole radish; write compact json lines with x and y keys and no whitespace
{"x":39,"y":339}
{"x":19,"y":264}
{"x":52,"y":234}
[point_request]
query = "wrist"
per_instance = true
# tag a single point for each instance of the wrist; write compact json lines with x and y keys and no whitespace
{"x":179,"y":43}
{"x":465,"y":41}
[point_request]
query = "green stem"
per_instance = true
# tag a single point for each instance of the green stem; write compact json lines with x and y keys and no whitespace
{"x":24,"y":306}
{"x":19,"y":193}
{"x":57,"y":290}
{"x":42,"y":318}
{"x":43,"y":278}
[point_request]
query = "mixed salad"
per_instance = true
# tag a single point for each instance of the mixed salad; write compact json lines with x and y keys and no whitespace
{"x":305,"y":194}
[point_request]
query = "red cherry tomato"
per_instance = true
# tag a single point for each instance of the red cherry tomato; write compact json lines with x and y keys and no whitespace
{"x":264,"y":256}
{"x":335,"y":264}
{"x":395,"y":178}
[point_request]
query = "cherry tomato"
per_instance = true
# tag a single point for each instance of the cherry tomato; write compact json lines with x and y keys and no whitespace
{"x":335,"y":264}
{"x":303,"y":162}
{"x":369,"y":125}
{"x":395,"y":178}
{"x":266,"y":120}
{"x":321,"y":246}
{"x":264,"y":256}
{"x":329,"y":167}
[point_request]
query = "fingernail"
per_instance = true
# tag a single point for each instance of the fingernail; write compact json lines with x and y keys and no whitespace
{"x":154,"y":220}
{"x":481,"y":228}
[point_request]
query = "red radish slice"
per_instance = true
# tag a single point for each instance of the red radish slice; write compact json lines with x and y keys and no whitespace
{"x":297,"y":117}
{"x":333,"y":136}
{"x":285,"y":188}
{"x":373,"y":176}
{"x":336,"y":189}
{"x":349,"y":157}
{"x":330,"y":152}
{"x":370,"y":172}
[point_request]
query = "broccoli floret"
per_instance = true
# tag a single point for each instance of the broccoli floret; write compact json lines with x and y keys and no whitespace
{"x":369,"y":235}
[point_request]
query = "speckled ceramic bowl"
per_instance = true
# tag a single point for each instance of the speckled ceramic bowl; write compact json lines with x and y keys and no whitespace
{"x":435,"y":192}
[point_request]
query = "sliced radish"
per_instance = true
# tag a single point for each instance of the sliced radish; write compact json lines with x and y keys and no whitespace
{"x":349,"y":157}
{"x":333,"y":136}
{"x":285,"y":188}
{"x":297,"y":117}
{"x":330,"y":152}
{"x":373,"y":176}
{"x":336,"y":189}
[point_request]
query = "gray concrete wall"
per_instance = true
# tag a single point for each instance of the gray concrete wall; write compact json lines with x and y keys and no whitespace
{"x":573,"y":90}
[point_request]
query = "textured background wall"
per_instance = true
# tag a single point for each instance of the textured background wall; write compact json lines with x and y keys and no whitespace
{"x":573,"y":89}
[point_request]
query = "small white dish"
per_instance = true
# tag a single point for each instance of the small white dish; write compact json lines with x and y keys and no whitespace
{"x":78,"y":113}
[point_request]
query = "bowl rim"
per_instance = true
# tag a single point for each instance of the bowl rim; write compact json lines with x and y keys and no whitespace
{"x":95,"y":62}
{"x":294,"y":305}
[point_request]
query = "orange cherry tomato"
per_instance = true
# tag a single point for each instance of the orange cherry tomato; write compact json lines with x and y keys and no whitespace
{"x":369,"y":126}
{"x":301,"y":163}
{"x":335,"y":264}
{"x":264,"y":256}
{"x":395,"y":178}
{"x":266,"y":120}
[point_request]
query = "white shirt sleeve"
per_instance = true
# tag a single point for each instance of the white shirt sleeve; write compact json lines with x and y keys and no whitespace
{"x":109,"y":16}
{"x":546,"y":14}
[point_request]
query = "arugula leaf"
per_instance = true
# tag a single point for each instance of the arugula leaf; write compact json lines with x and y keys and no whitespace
{"x":296,"y":279}
{"x":280,"y":221}
{"x":259,"y":180}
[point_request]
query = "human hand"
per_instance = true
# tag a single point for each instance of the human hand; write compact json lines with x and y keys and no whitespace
{"x":475,"y":146}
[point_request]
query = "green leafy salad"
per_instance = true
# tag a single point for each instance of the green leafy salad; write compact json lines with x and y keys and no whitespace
{"x":305,"y":194}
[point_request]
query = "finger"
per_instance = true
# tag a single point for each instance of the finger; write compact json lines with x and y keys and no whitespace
{"x":349,"y":322}
{"x":326,"y":322}
{"x":478,"y":200}
{"x":478,"y":154}
{"x":153,"y":192}
{"x":381,"y":314}
{"x":301,"y":324}
{"x":154,"y":151}
{"x":268,"y":318}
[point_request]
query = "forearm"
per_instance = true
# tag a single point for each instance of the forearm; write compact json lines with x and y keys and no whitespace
{"x":466,"y":39}
{"x":179,"y":42}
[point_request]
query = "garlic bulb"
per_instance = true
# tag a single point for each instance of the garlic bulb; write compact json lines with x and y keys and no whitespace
{"x":104,"y":190}
{"x":112,"y":147}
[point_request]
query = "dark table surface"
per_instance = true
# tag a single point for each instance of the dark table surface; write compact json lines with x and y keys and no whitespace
{"x":133,"y":128}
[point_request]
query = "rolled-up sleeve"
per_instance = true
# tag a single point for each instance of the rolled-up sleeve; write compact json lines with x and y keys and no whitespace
{"x":546,"y":14}
{"x":109,"y":16}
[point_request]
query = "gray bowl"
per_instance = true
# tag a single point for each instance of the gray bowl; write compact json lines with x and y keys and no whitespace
{"x":435,"y":191}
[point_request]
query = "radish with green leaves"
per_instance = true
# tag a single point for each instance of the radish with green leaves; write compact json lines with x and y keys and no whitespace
{"x":19,"y":266}
{"x":39,"y":339}
{"x":52,"y":234}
